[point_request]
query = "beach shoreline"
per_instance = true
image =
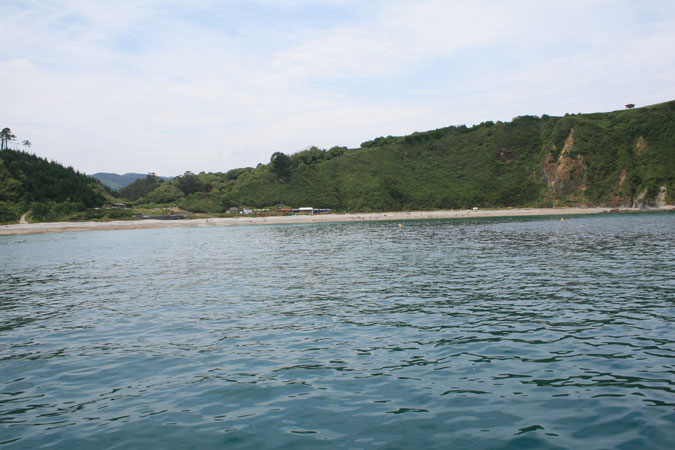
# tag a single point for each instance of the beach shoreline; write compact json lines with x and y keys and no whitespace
{"x":60,"y":227}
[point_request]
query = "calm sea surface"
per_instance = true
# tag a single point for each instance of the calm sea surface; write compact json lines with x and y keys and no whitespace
{"x":471,"y":333}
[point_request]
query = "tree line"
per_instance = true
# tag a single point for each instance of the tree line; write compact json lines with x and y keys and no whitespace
{"x":6,"y":136}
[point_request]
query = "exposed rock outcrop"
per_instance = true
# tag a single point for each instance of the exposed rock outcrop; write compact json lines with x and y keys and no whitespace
{"x":622,"y":177}
{"x":641,"y":199}
{"x":567,"y":174}
{"x":622,"y":198}
{"x":640,"y":146}
{"x":644,"y":199}
{"x":661,"y":197}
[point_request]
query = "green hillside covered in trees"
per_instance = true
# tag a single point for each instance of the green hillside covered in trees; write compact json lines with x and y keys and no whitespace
{"x":617,"y":159}
{"x":49,"y":190}
{"x":621,"y":158}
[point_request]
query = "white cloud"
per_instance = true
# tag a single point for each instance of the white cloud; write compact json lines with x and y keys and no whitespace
{"x":169,"y":87}
{"x":400,"y":38}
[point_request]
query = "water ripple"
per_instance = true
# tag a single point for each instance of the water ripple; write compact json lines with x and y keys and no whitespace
{"x":482,"y":333}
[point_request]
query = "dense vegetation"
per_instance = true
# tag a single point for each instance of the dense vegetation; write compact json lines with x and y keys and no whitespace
{"x":140,"y":187}
{"x":621,"y":158}
{"x":28,"y":182}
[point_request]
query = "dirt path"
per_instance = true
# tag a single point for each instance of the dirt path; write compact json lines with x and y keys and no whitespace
{"x":23,"y":220}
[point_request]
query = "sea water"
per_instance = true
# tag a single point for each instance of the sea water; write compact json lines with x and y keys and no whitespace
{"x":465,"y":333}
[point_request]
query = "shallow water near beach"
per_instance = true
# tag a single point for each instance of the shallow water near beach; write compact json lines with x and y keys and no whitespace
{"x":467,"y":333}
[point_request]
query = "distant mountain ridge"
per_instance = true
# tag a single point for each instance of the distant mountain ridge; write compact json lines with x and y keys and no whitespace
{"x":115,"y":181}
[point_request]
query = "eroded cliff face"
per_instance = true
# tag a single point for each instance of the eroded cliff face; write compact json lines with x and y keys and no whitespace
{"x":565,"y":175}
{"x":640,"y":146}
{"x":661,"y":197}
{"x":646,"y":197}
{"x":620,"y":199}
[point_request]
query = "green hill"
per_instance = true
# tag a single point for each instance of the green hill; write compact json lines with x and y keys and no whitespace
{"x":46,"y":188}
{"x":620,"y":158}
{"x":116,"y":182}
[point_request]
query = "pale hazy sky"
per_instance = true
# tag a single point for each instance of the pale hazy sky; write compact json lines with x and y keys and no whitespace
{"x":174,"y":85}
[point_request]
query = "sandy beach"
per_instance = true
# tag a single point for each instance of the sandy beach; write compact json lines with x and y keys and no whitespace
{"x":58,"y":227}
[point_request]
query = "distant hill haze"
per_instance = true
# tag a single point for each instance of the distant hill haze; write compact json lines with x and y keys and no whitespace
{"x":115,"y":181}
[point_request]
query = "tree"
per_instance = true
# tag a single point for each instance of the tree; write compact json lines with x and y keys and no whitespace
{"x":140,"y":188}
{"x":5,"y":137}
{"x":281,"y":166}
{"x":190,"y":183}
{"x":26,"y":144}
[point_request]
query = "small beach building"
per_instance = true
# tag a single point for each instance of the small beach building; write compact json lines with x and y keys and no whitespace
{"x":306,"y":210}
{"x":114,"y":206}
